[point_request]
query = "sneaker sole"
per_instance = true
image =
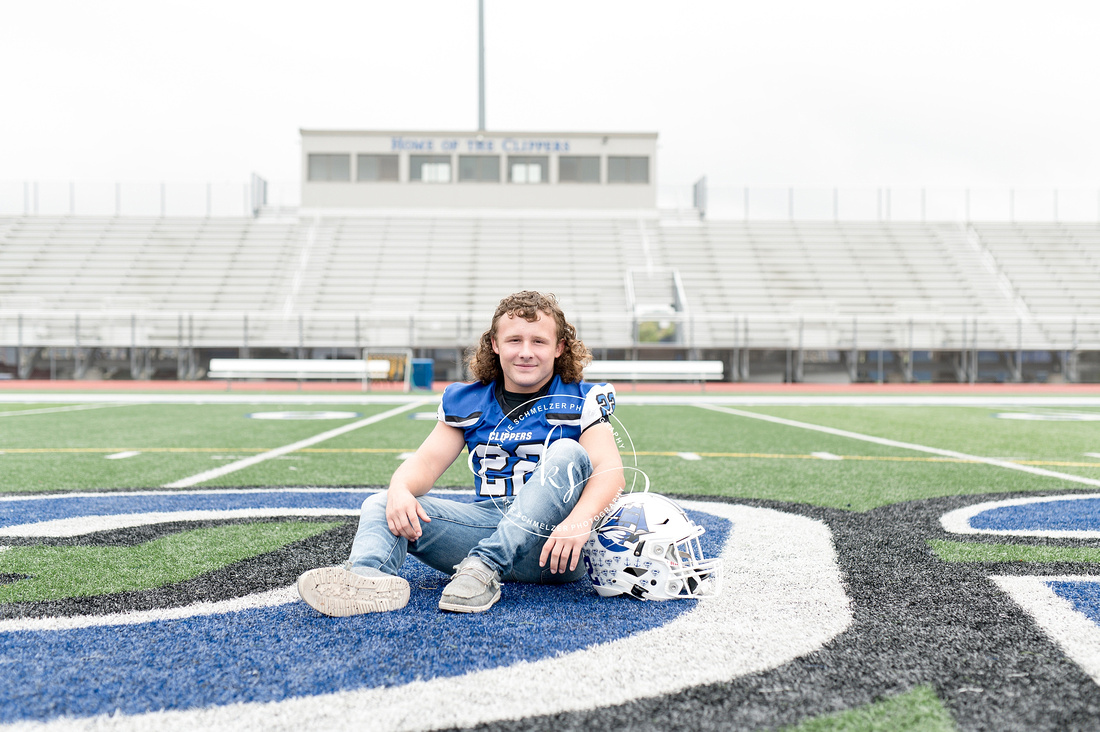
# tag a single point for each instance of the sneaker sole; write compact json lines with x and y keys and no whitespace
{"x":338,"y":593}
{"x":452,"y":607}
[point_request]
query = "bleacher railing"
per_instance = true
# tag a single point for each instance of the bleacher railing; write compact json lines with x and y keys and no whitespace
{"x":142,"y":198}
{"x":781,"y":203}
{"x":202,"y":329}
{"x":736,"y":203}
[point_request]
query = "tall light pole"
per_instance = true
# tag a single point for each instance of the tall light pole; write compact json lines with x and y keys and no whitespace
{"x":481,"y":65}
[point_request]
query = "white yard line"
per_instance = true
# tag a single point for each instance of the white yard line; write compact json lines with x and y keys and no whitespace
{"x":73,"y":408}
{"x":905,"y":445}
{"x":271,"y":598}
{"x":1072,"y":630}
{"x":122,"y":455}
{"x":308,"y":442}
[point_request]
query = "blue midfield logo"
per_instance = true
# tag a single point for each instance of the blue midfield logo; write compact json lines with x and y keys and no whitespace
{"x":160,"y":658}
{"x":1059,"y":603}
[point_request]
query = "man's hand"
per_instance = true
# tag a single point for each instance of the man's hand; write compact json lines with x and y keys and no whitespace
{"x":415,"y":477}
{"x":562,"y":549}
{"x":404,"y":513}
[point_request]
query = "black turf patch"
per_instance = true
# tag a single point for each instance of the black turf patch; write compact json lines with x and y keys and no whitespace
{"x":918,"y":620}
{"x":258,"y":574}
{"x":136,"y":535}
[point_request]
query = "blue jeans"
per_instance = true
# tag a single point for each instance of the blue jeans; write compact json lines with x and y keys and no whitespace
{"x":505,"y":533}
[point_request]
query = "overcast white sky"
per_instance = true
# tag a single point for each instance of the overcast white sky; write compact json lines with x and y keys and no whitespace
{"x":768,"y":92}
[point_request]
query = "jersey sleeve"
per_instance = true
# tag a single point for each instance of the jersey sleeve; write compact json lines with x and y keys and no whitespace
{"x":599,"y":403}
{"x":456,"y":408}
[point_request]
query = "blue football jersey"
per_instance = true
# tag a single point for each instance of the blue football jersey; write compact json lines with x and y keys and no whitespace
{"x":504,"y":449}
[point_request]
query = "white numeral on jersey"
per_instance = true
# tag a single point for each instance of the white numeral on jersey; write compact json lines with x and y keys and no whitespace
{"x":494,"y":458}
{"x":524,"y":465}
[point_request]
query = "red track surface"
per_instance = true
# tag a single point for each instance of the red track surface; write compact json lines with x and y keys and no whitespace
{"x":711,"y":388}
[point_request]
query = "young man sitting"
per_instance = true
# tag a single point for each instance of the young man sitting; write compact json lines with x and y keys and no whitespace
{"x":545,"y":463}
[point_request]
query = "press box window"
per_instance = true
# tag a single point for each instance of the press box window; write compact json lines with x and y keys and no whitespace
{"x":329,"y":167}
{"x":430,"y":168}
{"x":528,"y":168}
{"x":579,"y":169}
{"x":623,"y":169}
{"x":481,"y":168}
{"x":376,"y":168}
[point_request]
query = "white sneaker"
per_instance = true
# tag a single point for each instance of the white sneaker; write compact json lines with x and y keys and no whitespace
{"x":338,"y":592}
{"x":473,"y":588}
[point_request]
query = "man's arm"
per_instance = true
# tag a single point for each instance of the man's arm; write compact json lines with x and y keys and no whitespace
{"x":562,"y":549}
{"x":416,"y":476}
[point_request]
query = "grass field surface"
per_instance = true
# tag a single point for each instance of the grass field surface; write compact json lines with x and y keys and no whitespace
{"x":229,"y":500}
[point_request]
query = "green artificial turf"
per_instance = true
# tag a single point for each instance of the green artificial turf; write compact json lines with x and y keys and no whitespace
{"x":737,"y":456}
{"x":694,"y":429}
{"x":749,"y":458}
{"x":366,"y":456}
{"x":83,"y":471}
{"x":58,"y":572}
{"x":847,"y":484}
{"x":971,"y":430}
{"x":10,"y":410}
{"x":69,"y":450}
{"x":960,"y":551}
{"x":919,"y":710}
{"x":131,"y":427}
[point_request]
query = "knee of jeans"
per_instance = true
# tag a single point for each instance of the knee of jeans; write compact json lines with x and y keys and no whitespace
{"x":570,"y":450}
{"x":375,"y":503}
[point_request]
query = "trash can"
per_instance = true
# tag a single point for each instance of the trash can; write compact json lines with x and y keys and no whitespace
{"x":423,"y":373}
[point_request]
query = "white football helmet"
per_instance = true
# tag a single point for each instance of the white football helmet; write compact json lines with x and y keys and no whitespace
{"x":648,"y":548}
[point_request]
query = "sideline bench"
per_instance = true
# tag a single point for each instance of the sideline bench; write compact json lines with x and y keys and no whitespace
{"x":654,"y":371}
{"x":299,"y":368}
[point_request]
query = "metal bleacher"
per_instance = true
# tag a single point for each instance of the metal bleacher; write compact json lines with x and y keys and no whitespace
{"x":857,"y":268}
{"x":459,"y":264}
{"x":815,"y":271}
{"x":454,"y":267}
{"x":431,"y":280}
{"x":1055,"y":267}
{"x":72,"y":263}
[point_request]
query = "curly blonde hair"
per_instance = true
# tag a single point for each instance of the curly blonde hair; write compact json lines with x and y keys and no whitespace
{"x":484,"y":363}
